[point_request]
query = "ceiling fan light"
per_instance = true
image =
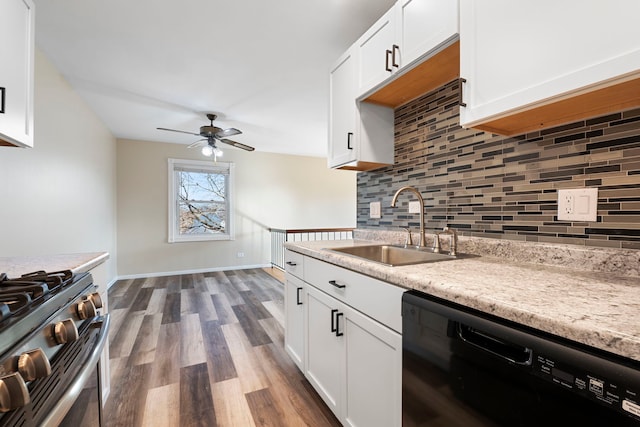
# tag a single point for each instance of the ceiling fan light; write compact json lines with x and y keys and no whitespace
{"x":217,"y":152}
{"x":207,"y":150}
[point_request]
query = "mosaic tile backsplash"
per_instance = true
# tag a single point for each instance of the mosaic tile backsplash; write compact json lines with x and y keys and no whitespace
{"x":493,"y":186}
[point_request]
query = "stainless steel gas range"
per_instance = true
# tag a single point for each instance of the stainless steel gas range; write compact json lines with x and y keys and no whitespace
{"x":51,"y":337}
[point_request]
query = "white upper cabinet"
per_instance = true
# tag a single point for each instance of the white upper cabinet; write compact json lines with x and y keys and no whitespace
{"x":16,"y":72}
{"x":361,"y":132}
{"x":377,"y":53}
{"x":526,"y":56}
{"x":409,"y":31}
{"x":423,"y":25}
{"x":342,"y":110}
{"x":360,"y":135}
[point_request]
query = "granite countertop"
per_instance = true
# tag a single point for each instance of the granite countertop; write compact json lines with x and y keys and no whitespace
{"x":78,"y":263}
{"x":594,"y":308}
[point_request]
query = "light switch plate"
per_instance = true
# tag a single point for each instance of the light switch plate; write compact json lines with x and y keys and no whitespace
{"x":414,"y":206}
{"x":374,"y":210}
{"x":578,"y":204}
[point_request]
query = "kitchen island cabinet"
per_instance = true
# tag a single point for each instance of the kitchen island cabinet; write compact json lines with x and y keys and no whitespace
{"x":533,"y":65}
{"x":17,"y":30}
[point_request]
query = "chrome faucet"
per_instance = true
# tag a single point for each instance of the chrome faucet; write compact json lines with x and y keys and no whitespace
{"x":414,"y":191}
{"x":453,"y":248}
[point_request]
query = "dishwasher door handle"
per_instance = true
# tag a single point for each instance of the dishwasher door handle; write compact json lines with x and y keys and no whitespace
{"x":508,"y":351}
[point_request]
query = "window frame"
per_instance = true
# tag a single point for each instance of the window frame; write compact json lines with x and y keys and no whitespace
{"x":177,"y":165}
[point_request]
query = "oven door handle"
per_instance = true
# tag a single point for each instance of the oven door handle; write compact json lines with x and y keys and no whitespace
{"x":65,"y":403}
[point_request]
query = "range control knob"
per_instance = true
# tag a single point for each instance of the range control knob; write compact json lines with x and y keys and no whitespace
{"x":13,"y":392}
{"x":86,"y":309}
{"x":65,"y":331}
{"x":34,"y":364}
{"x":96,"y":299}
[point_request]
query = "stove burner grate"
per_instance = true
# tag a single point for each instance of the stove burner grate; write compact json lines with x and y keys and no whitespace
{"x":20,"y":295}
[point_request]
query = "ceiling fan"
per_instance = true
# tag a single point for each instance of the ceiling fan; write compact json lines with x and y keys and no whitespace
{"x":210,"y":135}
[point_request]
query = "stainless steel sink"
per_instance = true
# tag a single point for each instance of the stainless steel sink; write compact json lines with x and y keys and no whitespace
{"x":394,"y":255}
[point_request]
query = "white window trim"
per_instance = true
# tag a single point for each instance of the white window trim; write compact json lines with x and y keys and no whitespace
{"x":174,"y":233}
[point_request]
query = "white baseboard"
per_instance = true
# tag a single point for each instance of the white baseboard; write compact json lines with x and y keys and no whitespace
{"x":175,"y":273}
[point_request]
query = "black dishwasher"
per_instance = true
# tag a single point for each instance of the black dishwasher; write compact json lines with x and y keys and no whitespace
{"x":465,"y":368}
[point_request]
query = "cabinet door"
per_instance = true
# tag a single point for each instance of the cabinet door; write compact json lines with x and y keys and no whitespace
{"x":516,"y":55}
{"x":376,"y":53}
{"x":324,"y":349}
{"x":373,"y":373}
{"x":16,"y":72}
{"x":423,"y":25}
{"x":294,"y":319}
{"x":342,"y":111}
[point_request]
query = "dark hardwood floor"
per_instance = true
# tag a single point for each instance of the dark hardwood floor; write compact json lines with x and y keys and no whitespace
{"x":205,"y":350}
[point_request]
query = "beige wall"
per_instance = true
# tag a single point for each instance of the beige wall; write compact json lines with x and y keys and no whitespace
{"x":59,"y":197}
{"x":272,"y":191}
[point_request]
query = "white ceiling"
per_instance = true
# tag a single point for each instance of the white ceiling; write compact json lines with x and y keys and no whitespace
{"x":262,"y":66}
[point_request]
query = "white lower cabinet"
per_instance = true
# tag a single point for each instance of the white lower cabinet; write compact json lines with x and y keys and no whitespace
{"x":353,"y":362}
{"x":373,"y":373}
{"x":294,"y":317}
{"x":324,"y":348}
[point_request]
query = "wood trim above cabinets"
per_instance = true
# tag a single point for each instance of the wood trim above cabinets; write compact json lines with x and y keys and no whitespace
{"x":598,"y":102}
{"x":362,"y":166}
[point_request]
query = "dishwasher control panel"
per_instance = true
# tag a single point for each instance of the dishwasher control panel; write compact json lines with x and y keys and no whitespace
{"x":593,"y":386}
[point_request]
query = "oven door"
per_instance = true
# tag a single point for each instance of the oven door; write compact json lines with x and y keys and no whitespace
{"x":70,"y":395}
{"x":80,"y":404}
{"x":463,"y":370}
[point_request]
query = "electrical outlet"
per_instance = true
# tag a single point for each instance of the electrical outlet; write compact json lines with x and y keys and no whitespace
{"x":374,"y":210}
{"x":578,"y":204}
{"x":568,"y":203}
{"x":240,"y":255}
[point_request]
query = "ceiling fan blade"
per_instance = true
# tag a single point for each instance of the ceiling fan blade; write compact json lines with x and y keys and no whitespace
{"x":237,"y":144}
{"x":197,"y":143}
{"x":228,"y":132}
{"x":181,"y":131}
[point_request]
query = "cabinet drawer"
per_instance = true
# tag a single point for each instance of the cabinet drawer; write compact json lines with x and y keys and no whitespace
{"x":294,"y":263}
{"x":379,"y":300}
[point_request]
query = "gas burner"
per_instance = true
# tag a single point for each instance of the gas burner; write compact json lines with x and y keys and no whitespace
{"x":19,"y":295}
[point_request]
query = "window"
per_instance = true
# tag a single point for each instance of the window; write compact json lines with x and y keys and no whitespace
{"x":200,"y":196}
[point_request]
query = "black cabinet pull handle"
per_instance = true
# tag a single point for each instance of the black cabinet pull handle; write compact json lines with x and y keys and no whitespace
{"x":2,"y":94}
{"x":462,"y":82}
{"x":336,"y":284}
{"x":349,"y":136}
{"x":386,"y":60}
{"x":333,"y":325}
{"x":298,"y":302}
{"x":338,"y":333}
{"x":393,"y":55}
{"x":291,"y":263}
